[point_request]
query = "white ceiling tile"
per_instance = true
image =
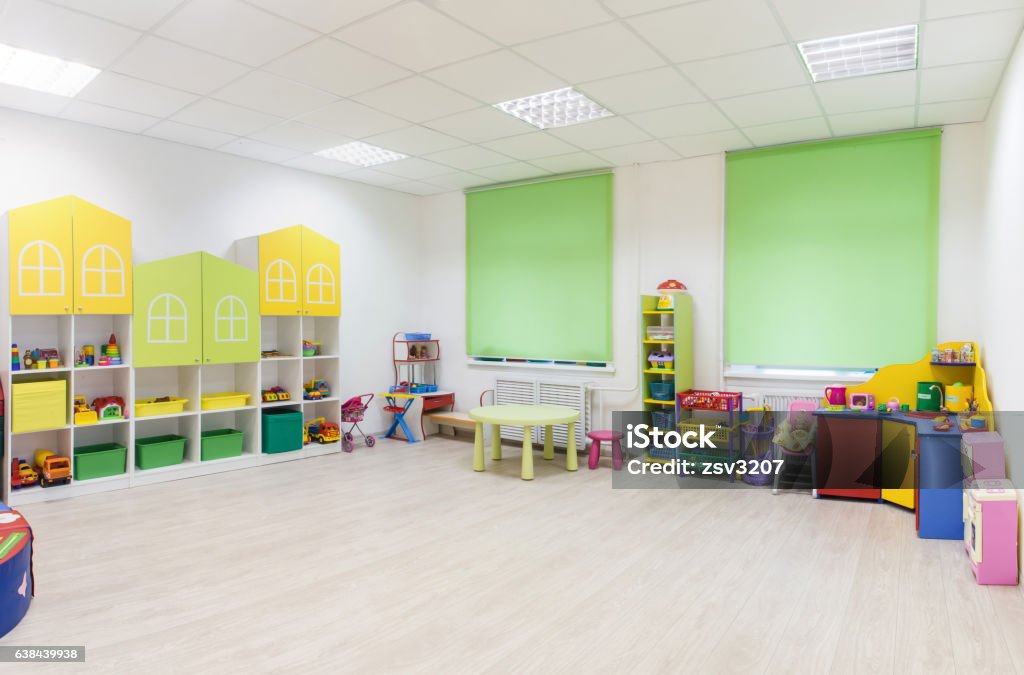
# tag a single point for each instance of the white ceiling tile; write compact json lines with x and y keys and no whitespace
{"x":952,"y":112}
{"x":574,"y":161}
{"x":224,"y":117}
{"x":416,"y":99}
{"x":468,"y":157}
{"x":481,"y":124}
{"x":651,"y":89}
{"x":632,"y":7}
{"x":416,"y":37}
{"x":415,"y":187}
{"x":234,"y":30}
{"x":497,"y":77}
{"x":299,"y":136}
{"x":274,"y":95}
{"x":458,"y":181}
{"x":327,"y":167}
{"x":112,"y":118}
{"x":955,"y":83}
{"x":749,"y":72}
{"x":708,"y":144}
{"x":337,"y":67}
{"x":978,"y":37}
{"x":772,"y":106}
{"x":515,"y":21}
{"x":592,"y":53}
{"x":120,"y":91}
{"x":683,"y":120}
{"x":188,"y":134}
{"x":603,"y":133}
{"x":531,"y":146}
{"x":415,"y":140}
{"x":513,"y":171}
{"x":180,"y":67}
{"x":246,"y":147}
{"x":371,"y":177}
{"x":855,"y":94}
{"x":938,"y":9}
{"x":325,"y":16}
{"x":352,"y":119}
{"x":37,"y":102}
{"x":872,"y":122}
{"x":809,"y":19}
{"x":141,"y":15}
{"x":414,"y":168}
{"x":64,"y":33}
{"x":788,"y":132}
{"x":702,"y":30}
{"x":637,"y":153}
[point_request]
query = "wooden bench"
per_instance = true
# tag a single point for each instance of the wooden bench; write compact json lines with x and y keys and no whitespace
{"x":451,"y":418}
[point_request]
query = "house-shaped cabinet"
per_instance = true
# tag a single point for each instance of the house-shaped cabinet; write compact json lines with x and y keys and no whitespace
{"x":299,"y":272}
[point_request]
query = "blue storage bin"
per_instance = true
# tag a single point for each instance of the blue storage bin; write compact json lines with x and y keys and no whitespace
{"x":662,"y":391}
{"x":417,"y":336}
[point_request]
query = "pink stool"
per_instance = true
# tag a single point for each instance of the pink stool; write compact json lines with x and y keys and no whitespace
{"x":595,"y":447}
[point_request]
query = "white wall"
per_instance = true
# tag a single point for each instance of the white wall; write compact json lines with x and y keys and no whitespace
{"x":674,"y":211}
{"x":182,"y":199}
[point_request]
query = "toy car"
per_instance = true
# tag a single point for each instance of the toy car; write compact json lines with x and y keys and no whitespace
{"x":316,"y":390}
{"x":269,"y":396}
{"x":322,"y":431}
{"x":22,"y":474}
{"x":275,"y":394}
{"x":83,"y":413}
{"x":53,"y":469}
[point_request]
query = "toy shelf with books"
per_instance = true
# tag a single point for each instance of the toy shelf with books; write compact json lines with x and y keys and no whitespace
{"x":666,"y":354}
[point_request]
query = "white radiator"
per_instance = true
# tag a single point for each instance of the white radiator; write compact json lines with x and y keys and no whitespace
{"x":575,"y":395}
{"x":779,"y":400}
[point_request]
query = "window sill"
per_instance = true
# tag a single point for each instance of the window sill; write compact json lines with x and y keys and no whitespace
{"x":534,"y":365}
{"x":840,"y":376}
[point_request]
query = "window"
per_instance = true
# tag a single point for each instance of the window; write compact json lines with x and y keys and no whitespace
{"x":320,"y":285}
{"x":166,"y":320}
{"x":40,"y":269}
{"x":831,"y":253}
{"x":102,"y":272}
{"x":231,"y":320}
{"x":280,"y":282}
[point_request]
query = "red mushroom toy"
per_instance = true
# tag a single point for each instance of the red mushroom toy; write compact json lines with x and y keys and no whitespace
{"x":666,"y":291}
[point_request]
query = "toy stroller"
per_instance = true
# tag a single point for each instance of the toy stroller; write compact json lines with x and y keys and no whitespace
{"x":352,"y":411}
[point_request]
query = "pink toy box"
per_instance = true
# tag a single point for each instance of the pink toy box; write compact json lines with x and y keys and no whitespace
{"x":990,"y":531}
{"x":982,"y":455}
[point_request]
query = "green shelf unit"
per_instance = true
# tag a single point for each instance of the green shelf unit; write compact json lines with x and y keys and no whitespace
{"x":681,"y":372}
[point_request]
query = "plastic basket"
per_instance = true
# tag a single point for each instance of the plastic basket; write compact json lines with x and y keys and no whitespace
{"x":720,"y":434}
{"x":423,"y":389}
{"x":149,"y":407}
{"x":417,"y":336}
{"x":661,"y":453}
{"x":663,"y":419}
{"x":157,"y":451}
{"x":662,"y":391}
{"x":220,"y":444}
{"x":702,"y":399}
{"x":225,"y":400}
{"x":100,"y":461}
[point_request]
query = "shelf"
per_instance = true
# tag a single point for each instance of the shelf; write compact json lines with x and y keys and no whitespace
{"x":656,"y":312}
{"x":277,"y":404}
{"x":279,"y":358}
{"x":660,"y":342}
{"x":166,"y":469}
{"x":39,"y":371}
{"x":93,"y":369}
{"x":654,"y":401}
{"x":329,"y":399}
{"x":319,"y":356}
{"x":227,"y":410}
{"x":955,"y":365}
{"x":653,"y":371}
{"x":417,"y":341}
{"x":102,"y":423}
{"x":311,"y":446}
{"x":170,"y":416}
{"x":40,"y":431}
{"x":416,"y":360}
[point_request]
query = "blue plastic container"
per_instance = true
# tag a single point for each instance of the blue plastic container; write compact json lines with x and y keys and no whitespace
{"x":417,"y":336}
{"x":662,"y":391}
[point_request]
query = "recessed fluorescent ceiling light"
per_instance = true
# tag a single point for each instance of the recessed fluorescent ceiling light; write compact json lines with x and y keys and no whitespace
{"x":871,"y":53}
{"x":32,"y":70}
{"x":558,"y":108}
{"x":362,"y":154}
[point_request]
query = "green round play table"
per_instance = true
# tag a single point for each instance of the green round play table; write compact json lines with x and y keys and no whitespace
{"x":527,"y":417}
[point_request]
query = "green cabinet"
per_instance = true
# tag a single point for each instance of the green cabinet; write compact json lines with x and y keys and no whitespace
{"x":194,"y":309}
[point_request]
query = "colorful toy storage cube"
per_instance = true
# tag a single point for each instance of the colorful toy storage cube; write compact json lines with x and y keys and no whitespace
{"x":100,"y":461}
{"x":39,"y":405}
{"x":282,"y":431}
{"x":157,"y":451}
{"x":220,"y":444}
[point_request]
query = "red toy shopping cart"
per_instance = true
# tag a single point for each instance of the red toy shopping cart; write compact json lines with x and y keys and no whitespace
{"x":352,"y":412}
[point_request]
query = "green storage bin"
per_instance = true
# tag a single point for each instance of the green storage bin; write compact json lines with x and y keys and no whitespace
{"x":157,"y":451}
{"x":282,"y":430}
{"x":220,"y":444}
{"x":100,"y":461}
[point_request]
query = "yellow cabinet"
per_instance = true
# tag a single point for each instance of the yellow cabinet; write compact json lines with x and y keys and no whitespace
{"x":69,"y":256}
{"x":321,"y":274}
{"x":103,"y":257}
{"x":41,"y":257}
{"x":300,"y":273}
{"x":899,"y":450}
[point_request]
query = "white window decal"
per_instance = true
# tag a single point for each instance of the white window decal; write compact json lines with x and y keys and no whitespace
{"x":280,"y":282}
{"x":320,"y":285}
{"x":40,"y":269}
{"x":231,"y":320}
{"x":102,"y":272}
{"x":166,"y":320}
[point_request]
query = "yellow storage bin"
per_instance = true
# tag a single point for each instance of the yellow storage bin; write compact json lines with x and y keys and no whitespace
{"x":150,"y":407}
{"x":225,"y":400}
{"x":39,"y":405}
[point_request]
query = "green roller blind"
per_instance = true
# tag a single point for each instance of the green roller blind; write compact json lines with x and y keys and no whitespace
{"x":831,"y":252}
{"x":538,"y":270}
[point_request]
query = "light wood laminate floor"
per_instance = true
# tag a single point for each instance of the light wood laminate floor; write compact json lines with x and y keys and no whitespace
{"x":401,"y":558}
